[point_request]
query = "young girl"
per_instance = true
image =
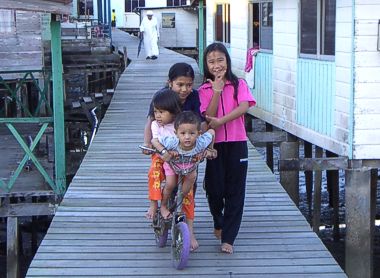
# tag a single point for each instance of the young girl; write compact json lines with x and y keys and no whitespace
{"x":180,"y":80}
{"x":224,"y":101}
{"x":189,"y":142}
{"x":166,"y":106}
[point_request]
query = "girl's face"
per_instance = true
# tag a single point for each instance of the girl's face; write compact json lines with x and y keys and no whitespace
{"x":163,"y":117}
{"x":187,"y":135}
{"x":216,"y":63}
{"x":183,"y":86}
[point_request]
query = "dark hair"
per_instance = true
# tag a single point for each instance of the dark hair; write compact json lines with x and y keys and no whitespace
{"x":167,"y":100}
{"x":180,"y":69}
{"x":187,"y":117}
{"x":217,"y":46}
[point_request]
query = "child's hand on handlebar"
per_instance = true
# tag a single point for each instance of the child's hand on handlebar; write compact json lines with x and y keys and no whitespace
{"x":147,"y":149}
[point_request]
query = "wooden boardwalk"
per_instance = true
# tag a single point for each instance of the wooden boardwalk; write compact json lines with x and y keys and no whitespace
{"x":99,"y":229}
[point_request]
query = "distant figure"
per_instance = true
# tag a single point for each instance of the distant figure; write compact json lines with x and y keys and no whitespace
{"x":150,"y":33}
{"x":113,"y":19}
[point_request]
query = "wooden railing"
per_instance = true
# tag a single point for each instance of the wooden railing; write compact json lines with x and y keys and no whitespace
{"x":15,"y":109}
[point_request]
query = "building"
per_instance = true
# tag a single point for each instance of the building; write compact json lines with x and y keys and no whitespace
{"x":316,"y":77}
{"x":178,"y":19}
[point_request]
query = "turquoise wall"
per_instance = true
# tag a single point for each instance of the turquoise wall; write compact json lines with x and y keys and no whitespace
{"x":263,"y":88}
{"x":315,"y":95}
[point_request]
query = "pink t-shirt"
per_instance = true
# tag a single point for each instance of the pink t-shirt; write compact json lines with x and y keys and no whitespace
{"x":233,"y":130}
{"x":159,"y":131}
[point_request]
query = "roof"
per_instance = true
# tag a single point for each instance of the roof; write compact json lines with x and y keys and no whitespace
{"x":47,"y":6}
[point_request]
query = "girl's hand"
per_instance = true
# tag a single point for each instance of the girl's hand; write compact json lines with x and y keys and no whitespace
{"x":218,"y":83}
{"x":210,"y":153}
{"x":166,"y":156}
{"x":213,"y":122}
{"x":147,"y":152}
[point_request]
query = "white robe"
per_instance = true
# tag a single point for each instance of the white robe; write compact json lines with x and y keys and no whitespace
{"x":151,"y":35}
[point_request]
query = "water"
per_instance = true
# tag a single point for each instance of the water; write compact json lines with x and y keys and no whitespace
{"x":336,"y":247}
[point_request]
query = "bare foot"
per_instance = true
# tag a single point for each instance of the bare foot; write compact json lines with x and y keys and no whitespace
{"x":193,"y":243}
{"x":227,"y":248}
{"x":218,"y":233}
{"x":151,"y":210}
{"x":164,"y":212}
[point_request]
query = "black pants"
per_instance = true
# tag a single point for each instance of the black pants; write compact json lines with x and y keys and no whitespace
{"x":225,"y":181}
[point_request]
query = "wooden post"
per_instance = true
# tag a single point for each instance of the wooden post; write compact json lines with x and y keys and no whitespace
{"x":360,"y":215}
{"x":317,"y":193}
{"x":58,"y":102}
{"x":290,"y":179}
{"x":12,"y":248}
{"x":125,"y":57}
{"x":308,"y":153}
{"x":269,"y":148}
{"x":201,"y":34}
{"x":332,"y":177}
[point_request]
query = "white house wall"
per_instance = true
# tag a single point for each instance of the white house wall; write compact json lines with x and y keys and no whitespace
{"x":367,"y":81}
{"x":285,"y":52}
{"x":343,"y":63}
{"x":185,"y":32}
{"x":239,"y":35}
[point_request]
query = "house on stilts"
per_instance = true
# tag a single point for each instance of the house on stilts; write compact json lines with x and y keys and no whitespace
{"x":316,"y":78}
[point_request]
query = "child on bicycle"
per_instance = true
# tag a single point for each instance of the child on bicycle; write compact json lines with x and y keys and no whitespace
{"x":188,"y":142}
{"x":180,"y":80}
{"x":166,"y":106}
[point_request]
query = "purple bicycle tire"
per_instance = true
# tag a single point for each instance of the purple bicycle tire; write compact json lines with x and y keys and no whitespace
{"x":162,"y":239}
{"x":182,"y":236}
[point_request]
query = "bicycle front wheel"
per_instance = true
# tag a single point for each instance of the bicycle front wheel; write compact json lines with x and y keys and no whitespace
{"x":180,"y":245}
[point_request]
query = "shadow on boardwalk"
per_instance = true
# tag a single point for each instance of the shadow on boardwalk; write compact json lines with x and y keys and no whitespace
{"x":99,"y":230}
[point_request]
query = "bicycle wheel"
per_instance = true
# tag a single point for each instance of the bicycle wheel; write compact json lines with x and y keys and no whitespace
{"x":180,"y":245}
{"x":162,"y":239}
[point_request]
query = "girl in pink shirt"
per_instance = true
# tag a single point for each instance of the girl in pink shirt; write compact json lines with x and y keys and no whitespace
{"x":224,"y":100}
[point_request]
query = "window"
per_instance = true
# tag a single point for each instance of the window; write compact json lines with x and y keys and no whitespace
{"x":175,"y":3}
{"x":317,"y":27}
{"x":262,"y":24}
{"x":266,"y":26}
{"x":86,"y":7}
{"x":223,"y":23}
{"x":131,"y":5}
{"x":168,"y":20}
{"x":7,"y":21}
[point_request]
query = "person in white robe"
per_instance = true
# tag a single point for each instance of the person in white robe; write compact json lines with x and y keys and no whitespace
{"x":150,"y":32}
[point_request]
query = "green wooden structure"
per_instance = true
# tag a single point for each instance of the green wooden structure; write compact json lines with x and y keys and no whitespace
{"x":54,"y":116}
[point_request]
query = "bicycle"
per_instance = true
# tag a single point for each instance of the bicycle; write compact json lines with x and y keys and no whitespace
{"x":180,"y":248}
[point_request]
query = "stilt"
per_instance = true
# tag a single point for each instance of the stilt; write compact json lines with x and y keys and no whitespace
{"x":308,"y":153}
{"x":317,"y":193}
{"x":360,"y":215}
{"x":290,"y":179}
{"x":12,"y":248}
{"x":269,"y":148}
{"x":333,"y":189}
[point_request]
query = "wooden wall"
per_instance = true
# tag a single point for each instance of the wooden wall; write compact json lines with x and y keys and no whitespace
{"x":20,"y":45}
